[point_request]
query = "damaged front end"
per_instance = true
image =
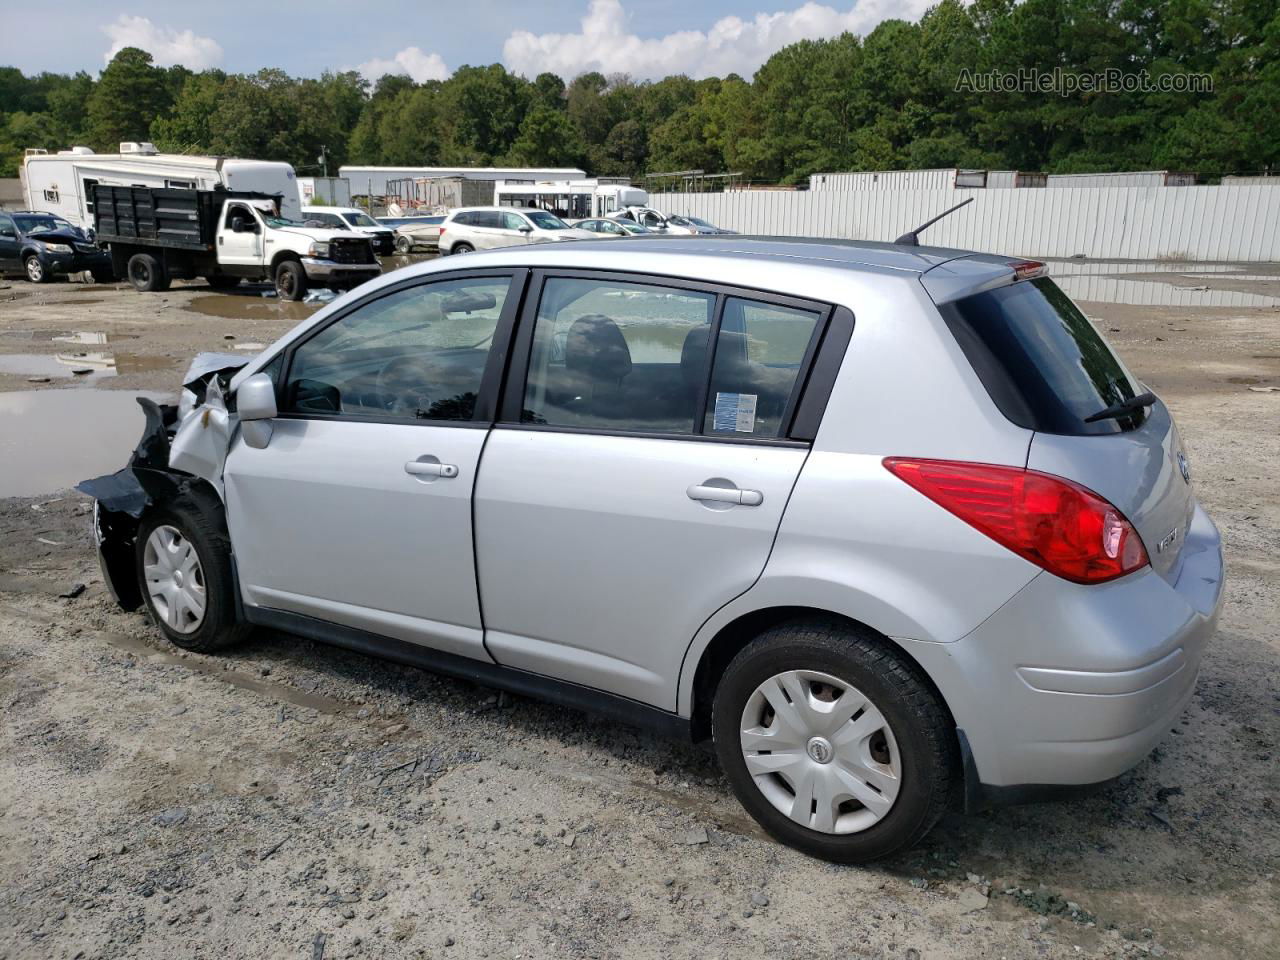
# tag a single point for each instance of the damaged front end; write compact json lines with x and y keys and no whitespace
{"x":181,"y":452}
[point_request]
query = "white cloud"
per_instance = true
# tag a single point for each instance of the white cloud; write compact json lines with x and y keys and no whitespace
{"x":420,"y":66}
{"x":731,"y":45}
{"x":166,"y":45}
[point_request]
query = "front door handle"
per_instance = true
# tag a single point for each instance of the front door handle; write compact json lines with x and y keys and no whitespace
{"x":431,"y":468}
{"x":747,"y":498}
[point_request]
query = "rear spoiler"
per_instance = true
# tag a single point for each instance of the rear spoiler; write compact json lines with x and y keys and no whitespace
{"x":974,"y":273}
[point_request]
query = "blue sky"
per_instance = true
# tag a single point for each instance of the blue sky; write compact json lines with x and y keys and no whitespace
{"x":646,"y":38}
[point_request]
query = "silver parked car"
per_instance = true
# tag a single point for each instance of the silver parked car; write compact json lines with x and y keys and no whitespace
{"x":484,"y":228}
{"x":891,"y":525}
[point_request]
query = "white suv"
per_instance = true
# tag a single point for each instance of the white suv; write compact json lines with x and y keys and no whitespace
{"x":891,"y":525}
{"x":483,"y":228}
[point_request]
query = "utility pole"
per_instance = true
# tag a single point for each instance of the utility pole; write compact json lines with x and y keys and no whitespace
{"x":324,"y":161}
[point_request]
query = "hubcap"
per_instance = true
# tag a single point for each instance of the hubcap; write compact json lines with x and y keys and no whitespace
{"x":820,"y":751}
{"x":34,"y":270}
{"x":175,"y":580}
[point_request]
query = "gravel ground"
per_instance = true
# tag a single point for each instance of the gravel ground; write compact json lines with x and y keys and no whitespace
{"x":293,"y":800}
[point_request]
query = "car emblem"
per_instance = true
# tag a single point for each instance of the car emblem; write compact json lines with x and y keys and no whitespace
{"x":1169,"y":540}
{"x":1184,"y":466}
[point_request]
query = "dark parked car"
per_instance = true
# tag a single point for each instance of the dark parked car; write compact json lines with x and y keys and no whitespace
{"x":43,"y":246}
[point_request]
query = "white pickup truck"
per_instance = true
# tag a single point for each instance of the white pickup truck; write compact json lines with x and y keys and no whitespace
{"x":155,"y":235}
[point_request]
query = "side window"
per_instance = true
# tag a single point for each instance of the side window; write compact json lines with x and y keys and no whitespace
{"x":416,"y":354}
{"x":759,"y":354}
{"x":238,"y":211}
{"x":512,"y":221}
{"x":616,"y":356}
{"x":88,"y":185}
{"x":7,"y":228}
{"x":488,"y":218}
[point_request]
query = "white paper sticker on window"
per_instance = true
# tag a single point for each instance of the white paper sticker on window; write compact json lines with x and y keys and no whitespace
{"x":735,"y":412}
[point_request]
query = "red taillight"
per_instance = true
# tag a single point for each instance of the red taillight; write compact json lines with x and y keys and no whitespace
{"x":441,"y":232}
{"x":1056,"y":524}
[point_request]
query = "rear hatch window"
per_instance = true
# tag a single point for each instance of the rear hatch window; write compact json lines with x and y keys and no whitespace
{"x":1040,"y":358}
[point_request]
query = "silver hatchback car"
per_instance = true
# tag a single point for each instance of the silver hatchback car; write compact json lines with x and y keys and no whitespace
{"x":891,"y":525}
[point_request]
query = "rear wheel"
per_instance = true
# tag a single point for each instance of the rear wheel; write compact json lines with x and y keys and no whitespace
{"x":147,"y":273}
{"x":462,"y":248}
{"x":291,"y":280}
{"x":184,"y":570}
{"x":404,"y":246}
{"x":833,"y":741}
{"x":36,"y":272}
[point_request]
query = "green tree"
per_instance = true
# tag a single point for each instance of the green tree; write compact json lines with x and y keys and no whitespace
{"x":547,"y":138}
{"x":129,"y":95}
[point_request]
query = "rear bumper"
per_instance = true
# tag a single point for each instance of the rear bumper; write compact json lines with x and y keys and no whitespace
{"x":327,"y":271}
{"x":1069,"y":685}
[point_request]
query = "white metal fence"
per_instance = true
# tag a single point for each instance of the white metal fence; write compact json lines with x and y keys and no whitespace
{"x":1131,"y":223}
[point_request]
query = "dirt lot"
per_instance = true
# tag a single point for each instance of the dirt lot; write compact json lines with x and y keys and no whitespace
{"x":292,"y":800}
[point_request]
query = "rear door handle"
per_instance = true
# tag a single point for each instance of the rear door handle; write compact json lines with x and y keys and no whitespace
{"x":747,"y":498}
{"x":428,"y":468}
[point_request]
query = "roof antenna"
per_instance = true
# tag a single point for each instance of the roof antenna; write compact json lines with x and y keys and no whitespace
{"x":912,"y":238}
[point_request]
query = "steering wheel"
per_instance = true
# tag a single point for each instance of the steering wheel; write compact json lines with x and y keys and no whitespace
{"x":400,"y":387}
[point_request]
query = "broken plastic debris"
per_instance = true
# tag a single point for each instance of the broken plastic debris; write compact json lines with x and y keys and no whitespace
{"x":320,"y":295}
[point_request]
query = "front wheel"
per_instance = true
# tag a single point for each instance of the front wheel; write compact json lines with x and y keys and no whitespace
{"x":183,"y":561}
{"x":36,"y":271}
{"x":833,"y":741}
{"x":291,"y":280}
{"x":404,"y":246}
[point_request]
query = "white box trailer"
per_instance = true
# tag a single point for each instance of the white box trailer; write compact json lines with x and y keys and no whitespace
{"x":324,"y":191}
{"x":1137,"y":178}
{"x":571,"y":199}
{"x":944,"y":179}
{"x":60,"y":182}
{"x":372,"y":181}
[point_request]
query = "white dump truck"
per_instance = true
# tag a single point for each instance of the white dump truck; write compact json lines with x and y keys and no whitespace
{"x":155,"y":235}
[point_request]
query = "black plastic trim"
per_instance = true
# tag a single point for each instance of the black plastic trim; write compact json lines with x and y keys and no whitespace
{"x":823,"y":371}
{"x":537,"y":686}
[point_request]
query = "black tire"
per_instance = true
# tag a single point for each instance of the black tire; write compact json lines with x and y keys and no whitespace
{"x":36,"y":271}
{"x":921,"y":726}
{"x":404,"y":246}
{"x":104,"y":276}
{"x":291,"y":280}
{"x":147,"y":273}
{"x":198,"y":521}
{"x":223,"y":282}
{"x":461,"y":247}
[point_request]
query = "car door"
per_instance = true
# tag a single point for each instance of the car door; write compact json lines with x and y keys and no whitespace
{"x":626,"y":493}
{"x":358,"y":510}
{"x":515,"y":229}
{"x":9,"y":244}
{"x":242,"y":252}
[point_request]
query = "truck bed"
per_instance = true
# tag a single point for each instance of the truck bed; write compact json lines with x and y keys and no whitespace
{"x":183,"y":219}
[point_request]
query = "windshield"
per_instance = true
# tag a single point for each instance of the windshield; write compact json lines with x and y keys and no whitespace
{"x":680,"y":221}
{"x":41,"y":224}
{"x":359,"y":219}
{"x":278,"y":222}
{"x":700,"y":222}
{"x":546,"y":221}
{"x":1040,"y":358}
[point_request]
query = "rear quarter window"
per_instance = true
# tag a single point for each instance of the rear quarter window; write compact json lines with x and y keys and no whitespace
{"x":1041,"y":359}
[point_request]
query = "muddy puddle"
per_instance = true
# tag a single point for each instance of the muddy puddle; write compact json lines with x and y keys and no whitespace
{"x":1153,"y":293}
{"x":38,"y":366}
{"x":85,"y":365}
{"x":251,"y":306}
{"x":91,"y":338}
{"x":52,"y":439}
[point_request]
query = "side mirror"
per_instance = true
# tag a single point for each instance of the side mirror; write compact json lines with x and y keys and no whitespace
{"x":525,"y":228}
{"x":256,"y":406}
{"x":237,"y":225}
